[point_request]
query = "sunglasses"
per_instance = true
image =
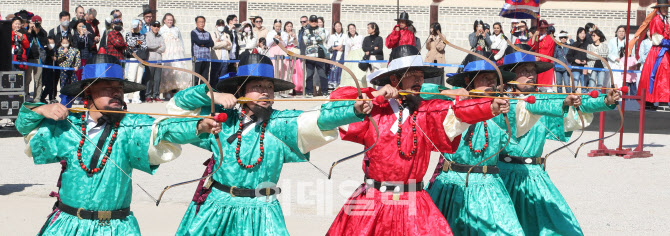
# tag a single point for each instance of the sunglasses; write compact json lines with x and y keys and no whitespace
{"x":259,"y":21}
{"x":303,"y":21}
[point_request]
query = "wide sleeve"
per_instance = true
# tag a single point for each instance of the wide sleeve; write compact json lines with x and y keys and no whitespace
{"x":40,"y":135}
{"x":167,"y":134}
{"x":464,"y":113}
{"x":571,"y":120}
{"x":528,"y":114}
{"x":192,"y":101}
{"x":354,"y":132}
{"x":393,"y":38}
{"x":593,"y":105}
{"x":318,"y":129}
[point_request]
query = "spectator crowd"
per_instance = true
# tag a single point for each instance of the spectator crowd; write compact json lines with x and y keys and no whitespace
{"x":80,"y":36}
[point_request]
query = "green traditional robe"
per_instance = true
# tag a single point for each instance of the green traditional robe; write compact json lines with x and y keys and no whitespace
{"x":539,"y":205}
{"x":223,"y":214}
{"x":52,"y":141}
{"x":484,"y":207}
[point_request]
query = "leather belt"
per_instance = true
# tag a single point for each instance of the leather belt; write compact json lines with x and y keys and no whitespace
{"x":396,"y":188}
{"x":102,"y":216}
{"x":522,"y":160}
{"x":452,"y":166}
{"x":244,"y":192}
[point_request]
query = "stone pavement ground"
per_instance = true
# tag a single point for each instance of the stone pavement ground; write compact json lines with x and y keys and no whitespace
{"x":609,"y":195}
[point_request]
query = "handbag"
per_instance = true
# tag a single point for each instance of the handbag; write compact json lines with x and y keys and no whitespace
{"x":41,"y":50}
{"x":364,"y":66}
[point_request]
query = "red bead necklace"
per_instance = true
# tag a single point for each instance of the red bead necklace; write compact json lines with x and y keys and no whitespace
{"x":486,"y":136}
{"x":399,"y":134}
{"x":239,"y":142}
{"x":81,"y":145}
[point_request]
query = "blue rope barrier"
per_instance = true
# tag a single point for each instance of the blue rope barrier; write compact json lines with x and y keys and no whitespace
{"x":159,"y":61}
{"x":40,"y":65}
{"x":354,"y":61}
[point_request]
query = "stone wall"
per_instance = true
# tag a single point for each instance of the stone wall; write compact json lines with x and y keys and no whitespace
{"x":456,"y":20}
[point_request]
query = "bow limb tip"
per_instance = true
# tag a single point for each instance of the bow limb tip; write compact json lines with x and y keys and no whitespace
{"x":221,"y":117}
{"x":530,"y":99}
{"x":593,"y":94}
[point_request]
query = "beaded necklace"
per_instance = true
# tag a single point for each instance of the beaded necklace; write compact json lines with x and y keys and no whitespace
{"x":92,"y":170}
{"x":486,"y":136}
{"x":239,"y":143}
{"x":399,"y":134}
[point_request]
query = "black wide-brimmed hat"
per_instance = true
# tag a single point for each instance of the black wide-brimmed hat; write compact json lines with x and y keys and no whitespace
{"x":402,"y":59}
{"x":252,"y":67}
{"x":661,"y":3}
{"x":515,"y":59}
{"x":477,"y":67}
{"x":404,"y":16}
{"x":101,"y":67}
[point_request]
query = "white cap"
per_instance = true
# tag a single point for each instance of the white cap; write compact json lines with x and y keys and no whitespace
{"x":515,"y":21}
{"x":561,"y":35}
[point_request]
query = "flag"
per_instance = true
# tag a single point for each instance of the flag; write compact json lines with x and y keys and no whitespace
{"x":521,"y":9}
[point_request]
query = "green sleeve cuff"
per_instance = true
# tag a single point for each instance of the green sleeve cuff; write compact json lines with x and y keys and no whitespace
{"x":193,"y":98}
{"x":27,"y":119}
{"x":335,"y":114}
{"x":178,"y":130}
{"x":548,"y":105}
{"x":592,"y":105}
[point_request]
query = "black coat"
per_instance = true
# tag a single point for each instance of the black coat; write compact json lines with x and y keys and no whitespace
{"x":85,"y":44}
{"x":41,"y":37}
{"x":577,"y":55}
{"x":369,"y":44}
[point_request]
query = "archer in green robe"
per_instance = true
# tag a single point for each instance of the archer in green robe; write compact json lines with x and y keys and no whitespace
{"x":541,"y":208}
{"x":289,"y":136}
{"x":50,"y":141}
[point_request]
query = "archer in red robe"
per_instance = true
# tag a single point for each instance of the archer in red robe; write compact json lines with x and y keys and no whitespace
{"x":658,"y":87}
{"x":371,"y":212}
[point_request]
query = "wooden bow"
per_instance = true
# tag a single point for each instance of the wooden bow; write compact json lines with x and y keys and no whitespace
{"x":611,"y":84}
{"x":360,"y":96}
{"x":213,"y":111}
{"x":509,"y":127}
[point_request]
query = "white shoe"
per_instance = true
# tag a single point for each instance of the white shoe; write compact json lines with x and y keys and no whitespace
{"x":136,"y":101}
{"x":126,"y":100}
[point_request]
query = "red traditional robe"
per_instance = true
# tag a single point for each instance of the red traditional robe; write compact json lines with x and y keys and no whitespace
{"x":401,"y":37}
{"x":544,"y":46}
{"x":661,"y":91}
{"x":375,"y":213}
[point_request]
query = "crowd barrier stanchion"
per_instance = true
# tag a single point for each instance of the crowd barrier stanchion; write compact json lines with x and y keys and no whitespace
{"x":627,"y":153}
